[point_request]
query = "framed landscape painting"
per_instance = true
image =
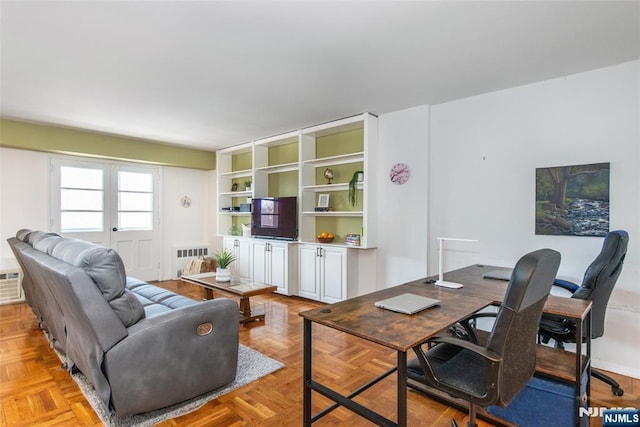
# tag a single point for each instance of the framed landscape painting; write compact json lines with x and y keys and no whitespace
{"x":573,"y":200}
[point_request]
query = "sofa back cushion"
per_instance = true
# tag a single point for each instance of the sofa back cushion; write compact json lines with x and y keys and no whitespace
{"x":106,"y":269}
{"x":23,"y":234}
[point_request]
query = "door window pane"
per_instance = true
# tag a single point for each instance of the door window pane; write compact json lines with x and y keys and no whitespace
{"x":71,"y":177}
{"x":81,"y":199}
{"x":132,"y":181}
{"x":135,"y":201}
{"x":135,"y":220}
{"x":81,"y":221}
{"x":86,"y":200}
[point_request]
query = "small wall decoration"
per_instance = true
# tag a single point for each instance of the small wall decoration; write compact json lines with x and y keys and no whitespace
{"x":399,"y":173}
{"x":573,"y":200}
{"x":234,"y":186}
{"x":185,"y":202}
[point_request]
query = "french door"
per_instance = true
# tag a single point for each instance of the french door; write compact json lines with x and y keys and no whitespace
{"x":112,"y":204}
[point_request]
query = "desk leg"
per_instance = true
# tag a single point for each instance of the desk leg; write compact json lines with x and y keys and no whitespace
{"x":588,"y":334}
{"x":306,"y":406}
{"x":583,"y":328}
{"x":402,"y":388}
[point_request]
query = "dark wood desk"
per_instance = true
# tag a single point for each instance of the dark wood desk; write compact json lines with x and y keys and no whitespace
{"x":559,"y":364}
{"x":359,"y":317}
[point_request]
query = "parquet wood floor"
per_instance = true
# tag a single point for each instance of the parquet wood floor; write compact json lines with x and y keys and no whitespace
{"x":35,"y":390}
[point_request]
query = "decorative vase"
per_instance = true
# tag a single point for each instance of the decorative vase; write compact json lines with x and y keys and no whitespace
{"x":223,"y":275}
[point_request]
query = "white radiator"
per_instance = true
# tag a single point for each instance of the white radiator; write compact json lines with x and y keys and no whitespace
{"x":182,"y":255}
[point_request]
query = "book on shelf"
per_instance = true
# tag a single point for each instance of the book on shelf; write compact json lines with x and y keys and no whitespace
{"x":352,"y":240}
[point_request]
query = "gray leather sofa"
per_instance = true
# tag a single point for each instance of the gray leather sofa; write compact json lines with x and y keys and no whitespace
{"x":142,"y":347}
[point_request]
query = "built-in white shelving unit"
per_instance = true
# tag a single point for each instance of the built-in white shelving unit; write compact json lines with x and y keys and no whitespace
{"x":293,"y":164}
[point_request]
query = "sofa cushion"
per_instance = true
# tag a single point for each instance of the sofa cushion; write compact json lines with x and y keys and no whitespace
{"x":23,"y":234}
{"x":34,"y":237}
{"x":106,"y":269}
{"x":156,"y":300}
{"x":128,"y":308}
{"x":45,"y":243}
{"x":103,"y":265}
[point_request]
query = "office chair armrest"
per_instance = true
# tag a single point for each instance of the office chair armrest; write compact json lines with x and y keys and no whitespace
{"x":469,"y":327}
{"x":565,"y":284}
{"x":467,"y":345}
{"x":460,"y":343}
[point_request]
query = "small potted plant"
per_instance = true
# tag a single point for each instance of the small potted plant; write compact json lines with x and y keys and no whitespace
{"x":247,"y":185}
{"x":353,"y":187}
{"x":223,"y":260}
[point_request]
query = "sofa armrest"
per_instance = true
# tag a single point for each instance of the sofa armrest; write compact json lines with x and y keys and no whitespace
{"x":172,"y":357}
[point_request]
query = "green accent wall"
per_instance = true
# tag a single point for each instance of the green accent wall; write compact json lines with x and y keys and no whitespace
{"x":241,"y":162}
{"x":340,"y":227}
{"x":53,"y":139}
{"x":282,"y":154}
{"x":351,"y":141}
{"x":284,"y":184}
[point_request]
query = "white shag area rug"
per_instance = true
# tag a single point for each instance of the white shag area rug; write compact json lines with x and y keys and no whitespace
{"x":252,"y":365}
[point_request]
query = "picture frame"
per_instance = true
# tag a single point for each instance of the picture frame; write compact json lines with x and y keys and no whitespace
{"x":572,"y":200}
{"x":323,"y":200}
{"x":234,"y":186}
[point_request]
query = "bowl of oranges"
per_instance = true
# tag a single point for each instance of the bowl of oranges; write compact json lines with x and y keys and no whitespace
{"x":325,"y":237}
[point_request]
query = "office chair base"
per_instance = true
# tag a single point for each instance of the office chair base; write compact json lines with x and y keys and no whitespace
{"x":615,"y":387}
{"x":455,"y":424}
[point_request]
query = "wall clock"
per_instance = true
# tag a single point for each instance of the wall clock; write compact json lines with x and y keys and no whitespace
{"x":399,"y":173}
{"x":185,"y":202}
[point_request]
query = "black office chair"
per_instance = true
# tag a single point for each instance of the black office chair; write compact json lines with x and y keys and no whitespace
{"x":597,"y":284}
{"x":494,"y":373}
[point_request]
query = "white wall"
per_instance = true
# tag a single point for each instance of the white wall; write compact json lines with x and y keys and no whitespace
{"x":402,"y":209}
{"x":24,"y":194}
{"x":184,"y":227}
{"x":483,"y":154}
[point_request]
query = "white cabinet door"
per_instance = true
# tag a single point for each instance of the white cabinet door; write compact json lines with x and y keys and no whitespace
{"x":244,"y":258}
{"x":271,"y":264}
{"x":241,"y":248}
{"x":309,"y":271}
{"x":261,"y":269}
{"x":333,"y":287}
{"x":323,"y":273}
{"x":279,"y":266}
{"x":229,"y":243}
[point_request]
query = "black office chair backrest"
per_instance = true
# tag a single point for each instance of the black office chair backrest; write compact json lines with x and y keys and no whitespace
{"x":601,"y":277}
{"x":516,"y":326}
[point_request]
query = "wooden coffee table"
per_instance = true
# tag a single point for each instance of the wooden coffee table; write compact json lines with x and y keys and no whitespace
{"x":242,"y":288}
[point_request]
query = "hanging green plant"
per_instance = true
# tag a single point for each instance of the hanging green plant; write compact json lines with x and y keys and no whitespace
{"x":353,"y":188}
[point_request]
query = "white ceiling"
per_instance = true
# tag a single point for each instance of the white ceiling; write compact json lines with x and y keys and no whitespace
{"x":212,"y":74}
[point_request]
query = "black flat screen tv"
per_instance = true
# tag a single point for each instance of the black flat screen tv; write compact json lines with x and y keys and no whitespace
{"x":275,"y":217}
